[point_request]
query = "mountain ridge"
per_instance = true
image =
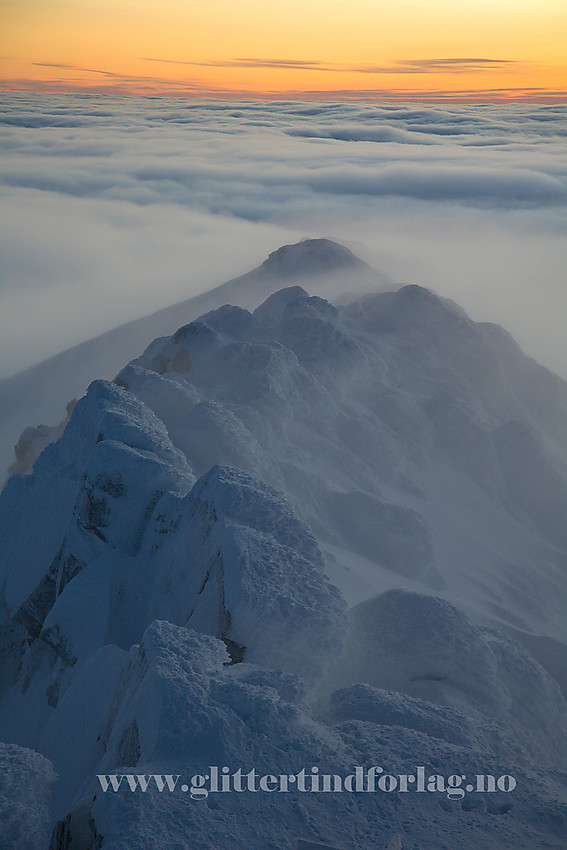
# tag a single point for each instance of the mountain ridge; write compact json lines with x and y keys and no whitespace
{"x":310,"y":534}
{"x":40,"y":393}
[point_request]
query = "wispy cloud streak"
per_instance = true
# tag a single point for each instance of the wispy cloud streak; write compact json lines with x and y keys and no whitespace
{"x":408,"y":66}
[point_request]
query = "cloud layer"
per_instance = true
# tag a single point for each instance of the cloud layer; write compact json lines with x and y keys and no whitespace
{"x":114,"y":207}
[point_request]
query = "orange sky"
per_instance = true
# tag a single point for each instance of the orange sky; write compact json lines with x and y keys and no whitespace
{"x":403,"y":49}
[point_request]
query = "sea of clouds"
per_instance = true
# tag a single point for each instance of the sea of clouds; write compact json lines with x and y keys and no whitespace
{"x":113,"y":207}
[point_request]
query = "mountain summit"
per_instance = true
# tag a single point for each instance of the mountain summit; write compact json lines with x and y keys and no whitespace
{"x":312,"y":257}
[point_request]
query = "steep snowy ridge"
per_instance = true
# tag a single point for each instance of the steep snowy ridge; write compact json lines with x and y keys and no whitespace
{"x":174,"y":573}
{"x":40,"y":393}
{"x":134,"y":548}
{"x":112,"y":453}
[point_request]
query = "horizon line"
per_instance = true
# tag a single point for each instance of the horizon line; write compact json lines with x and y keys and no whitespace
{"x":521,"y":94}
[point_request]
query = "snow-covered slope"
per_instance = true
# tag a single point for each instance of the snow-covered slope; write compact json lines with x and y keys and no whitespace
{"x":306,"y":535}
{"x":40,"y":394}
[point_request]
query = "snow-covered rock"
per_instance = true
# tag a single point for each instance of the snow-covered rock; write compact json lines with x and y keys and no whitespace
{"x":179,"y":711}
{"x":114,"y":459}
{"x":26,"y":781}
{"x":422,"y":646}
{"x":169,"y":574}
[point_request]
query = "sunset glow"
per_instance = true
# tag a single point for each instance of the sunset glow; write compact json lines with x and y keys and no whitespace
{"x":473,"y":51}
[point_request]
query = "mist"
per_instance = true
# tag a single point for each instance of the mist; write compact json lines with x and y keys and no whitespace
{"x":116,"y":207}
